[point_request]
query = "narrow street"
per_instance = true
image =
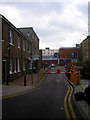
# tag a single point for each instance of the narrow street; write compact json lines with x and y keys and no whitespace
{"x":52,"y":99}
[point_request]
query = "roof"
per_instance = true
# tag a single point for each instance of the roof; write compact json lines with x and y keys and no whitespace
{"x":49,"y":58}
{"x":67,"y":47}
{"x":6,"y":20}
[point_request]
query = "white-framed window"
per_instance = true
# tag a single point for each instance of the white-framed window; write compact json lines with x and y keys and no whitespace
{"x":24,"y":65}
{"x":15,"y":65}
{"x":11,"y":36}
{"x":23,"y":44}
{"x":18,"y":62}
{"x":10,"y":66}
{"x":18,"y":41}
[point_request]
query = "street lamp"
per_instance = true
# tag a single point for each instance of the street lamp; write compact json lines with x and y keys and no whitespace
{"x":31,"y":63}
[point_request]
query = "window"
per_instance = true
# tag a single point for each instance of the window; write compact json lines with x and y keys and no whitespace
{"x":23,"y":44}
{"x":18,"y":61}
{"x":24,"y":65}
{"x":15,"y":65}
{"x":27,"y":45}
{"x":10,"y":67}
{"x":18,"y":42}
{"x":11,"y":37}
{"x":28,"y":34}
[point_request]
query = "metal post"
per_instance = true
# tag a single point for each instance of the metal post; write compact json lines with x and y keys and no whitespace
{"x":32,"y":74}
{"x":8,"y":76}
{"x":31,"y":63}
{"x":25,"y":79}
{"x":38,"y":75}
{"x":25,"y":73}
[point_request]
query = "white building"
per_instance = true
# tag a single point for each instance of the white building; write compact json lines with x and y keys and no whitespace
{"x":49,"y":52}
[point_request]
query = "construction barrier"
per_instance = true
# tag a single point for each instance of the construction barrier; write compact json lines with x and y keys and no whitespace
{"x":74,"y":75}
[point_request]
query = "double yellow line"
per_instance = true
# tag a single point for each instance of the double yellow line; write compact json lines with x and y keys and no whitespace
{"x":67,"y":103}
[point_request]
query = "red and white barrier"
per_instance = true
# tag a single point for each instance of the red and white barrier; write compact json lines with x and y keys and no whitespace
{"x":58,"y":72}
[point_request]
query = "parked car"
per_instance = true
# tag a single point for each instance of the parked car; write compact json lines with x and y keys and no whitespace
{"x":53,"y":65}
{"x":87,"y":92}
{"x":81,"y":69}
{"x":83,"y":95}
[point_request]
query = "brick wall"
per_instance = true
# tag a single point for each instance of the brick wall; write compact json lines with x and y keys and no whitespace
{"x":12,"y":51}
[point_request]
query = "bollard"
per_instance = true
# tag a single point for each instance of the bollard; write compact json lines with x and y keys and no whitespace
{"x":41,"y":74}
{"x":73,"y":77}
{"x":24,"y":80}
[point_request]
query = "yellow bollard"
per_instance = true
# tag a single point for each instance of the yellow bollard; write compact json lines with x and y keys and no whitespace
{"x":41,"y":74}
{"x":73,"y":77}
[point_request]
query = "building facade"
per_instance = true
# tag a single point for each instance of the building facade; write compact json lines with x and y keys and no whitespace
{"x":68,"y":54}
{"x":49,"y":52}
{"x":16,"y":51}
{"x":50,"y":56}
{"x":34,"y":40}
{"x":85,"y":50}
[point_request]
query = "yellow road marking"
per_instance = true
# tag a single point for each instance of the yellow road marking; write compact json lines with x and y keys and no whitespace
{"x":18,"y":94}
{"x":70,"y":105}
{"x":65,"y":103}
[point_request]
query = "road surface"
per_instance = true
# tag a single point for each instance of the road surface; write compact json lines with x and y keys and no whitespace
{"x":52,"y":99}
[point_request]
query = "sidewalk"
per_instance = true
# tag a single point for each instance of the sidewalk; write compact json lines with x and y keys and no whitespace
{"x":17,"y":86}
{"x":85,"y":112}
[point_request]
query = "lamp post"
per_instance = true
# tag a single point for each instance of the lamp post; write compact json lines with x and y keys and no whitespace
{"x":25,"y":72}
{"x":31,"y":64}
{"x":8,"y":77}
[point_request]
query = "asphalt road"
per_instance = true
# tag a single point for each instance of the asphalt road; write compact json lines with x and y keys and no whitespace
{"x":52,"y":99}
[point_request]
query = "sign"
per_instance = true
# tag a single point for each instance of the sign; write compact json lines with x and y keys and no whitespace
{"x":74,"y":55}
{"x":56,"y":55}
{"x":65,"y":61}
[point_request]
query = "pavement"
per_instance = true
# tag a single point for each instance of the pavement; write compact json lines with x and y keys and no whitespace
{"x":8,"y":90}
{"x":82,"y":105}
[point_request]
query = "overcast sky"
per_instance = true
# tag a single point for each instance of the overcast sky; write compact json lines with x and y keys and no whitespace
{"x":57,"y":24}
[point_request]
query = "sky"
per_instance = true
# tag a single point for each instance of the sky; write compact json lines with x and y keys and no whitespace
{"x":57,"y":23}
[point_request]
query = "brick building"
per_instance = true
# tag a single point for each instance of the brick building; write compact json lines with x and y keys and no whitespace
{"x":85,"y":50}
{"x":34,"y":40}
{"x":16,"y":51}
{"x":68,"y":54}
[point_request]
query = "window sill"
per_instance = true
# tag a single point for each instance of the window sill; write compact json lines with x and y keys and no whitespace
{"x":15,"y":71}
{"x":23,"y":49}
{"x":19,"y":47}
{"x":12,"y":44}
{"x":30,"y":68}
{"x":10,"y":72}
{"x":29,"y":51}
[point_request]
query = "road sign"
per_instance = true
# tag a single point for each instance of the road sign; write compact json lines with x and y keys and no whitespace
{"x":74,"y":55}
